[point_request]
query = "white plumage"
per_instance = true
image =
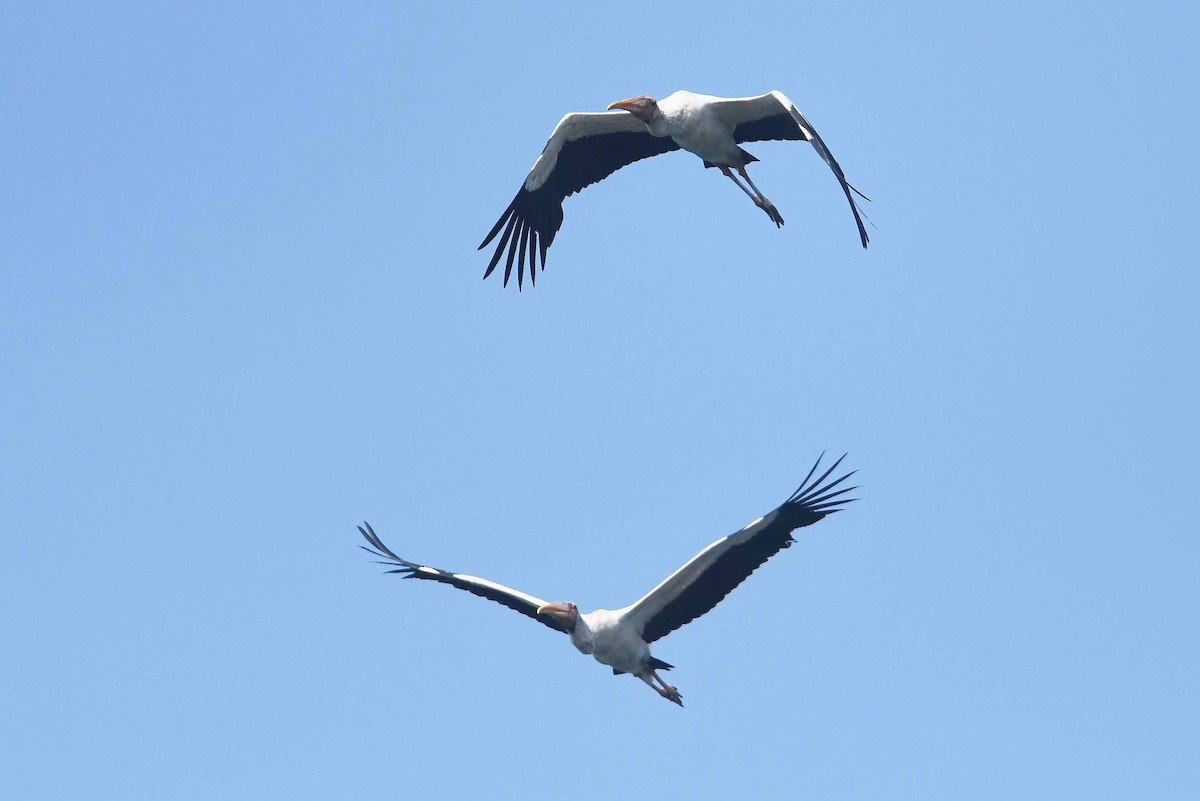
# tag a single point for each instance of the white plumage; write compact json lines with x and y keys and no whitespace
{"x":588,"y":147}
{"x":621,"y":638}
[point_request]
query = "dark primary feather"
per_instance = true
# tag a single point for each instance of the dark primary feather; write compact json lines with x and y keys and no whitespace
{"x":808,"y":504}
{"x":533,"y":218}
{"x":783,"y":126}
{"x":409,"y":569}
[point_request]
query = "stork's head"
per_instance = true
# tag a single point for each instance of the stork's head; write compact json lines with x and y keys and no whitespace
{"x":642,"y":107}
{"x":564,"y":614}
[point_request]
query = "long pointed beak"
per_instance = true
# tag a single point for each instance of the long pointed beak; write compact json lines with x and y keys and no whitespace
{"x":551,"y":610}
{"x":557,"y":612}
{"x":622,"y":105}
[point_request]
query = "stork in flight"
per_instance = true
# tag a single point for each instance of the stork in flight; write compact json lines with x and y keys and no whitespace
{"x":621,"y":638}
{"x":588,"y":147}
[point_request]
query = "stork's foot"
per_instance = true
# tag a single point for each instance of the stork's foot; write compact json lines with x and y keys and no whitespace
{"x":670,"y":693}
{"x":770,"y":209}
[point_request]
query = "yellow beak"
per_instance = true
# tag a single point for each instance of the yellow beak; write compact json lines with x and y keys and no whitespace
{"x":559,"y":613}
{"x":622,"y":105}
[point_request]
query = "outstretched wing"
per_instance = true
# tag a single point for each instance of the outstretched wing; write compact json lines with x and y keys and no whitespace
{"x":584,"y":148}
{"x":713,"y":573}
{"x":514,"y":599}
{"x":774,"y":116}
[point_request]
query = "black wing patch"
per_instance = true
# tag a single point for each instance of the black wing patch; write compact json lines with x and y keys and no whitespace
{"x":533,"y":218}
{"x":776,"y":127}
{"x":409,"y":569}
{"x":808,"y":504}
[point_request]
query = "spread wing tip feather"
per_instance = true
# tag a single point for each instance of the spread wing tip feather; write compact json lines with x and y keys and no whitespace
{"x":816,"y":495}
{"x":377,"y":548}
{"x":521,"y":237}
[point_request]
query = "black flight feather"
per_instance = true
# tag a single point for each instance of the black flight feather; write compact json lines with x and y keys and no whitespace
{"x":409,"y":569}
{"x":808,"y":504}
{"x":537,"y":215}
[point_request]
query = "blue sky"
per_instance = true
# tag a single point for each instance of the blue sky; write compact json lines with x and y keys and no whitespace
{"x":241,"y":311}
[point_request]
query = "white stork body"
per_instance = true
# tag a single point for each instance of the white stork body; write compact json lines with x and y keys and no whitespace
{"x":604,"y":635}
{"x":695,"y":123}
{"x":621,"y":638}
{"x":588,"y":147}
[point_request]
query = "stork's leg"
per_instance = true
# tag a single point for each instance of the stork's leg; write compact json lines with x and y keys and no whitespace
{"x":759,"y":199}
{"x":666,"y":690}
{"x":762,"y":201}
{"x":728,"y":174}
{"x":669,"y":692}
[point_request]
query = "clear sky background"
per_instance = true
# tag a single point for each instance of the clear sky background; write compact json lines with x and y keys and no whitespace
{"x":241,"y":311}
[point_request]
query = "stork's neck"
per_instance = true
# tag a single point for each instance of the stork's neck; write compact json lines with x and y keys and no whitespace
{"x":582,"y":637}
{"x":658,"y":125}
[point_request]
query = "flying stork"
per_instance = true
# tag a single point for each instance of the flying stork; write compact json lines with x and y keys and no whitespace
{"x":588,"y":147}
{"x":621,"y":638}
